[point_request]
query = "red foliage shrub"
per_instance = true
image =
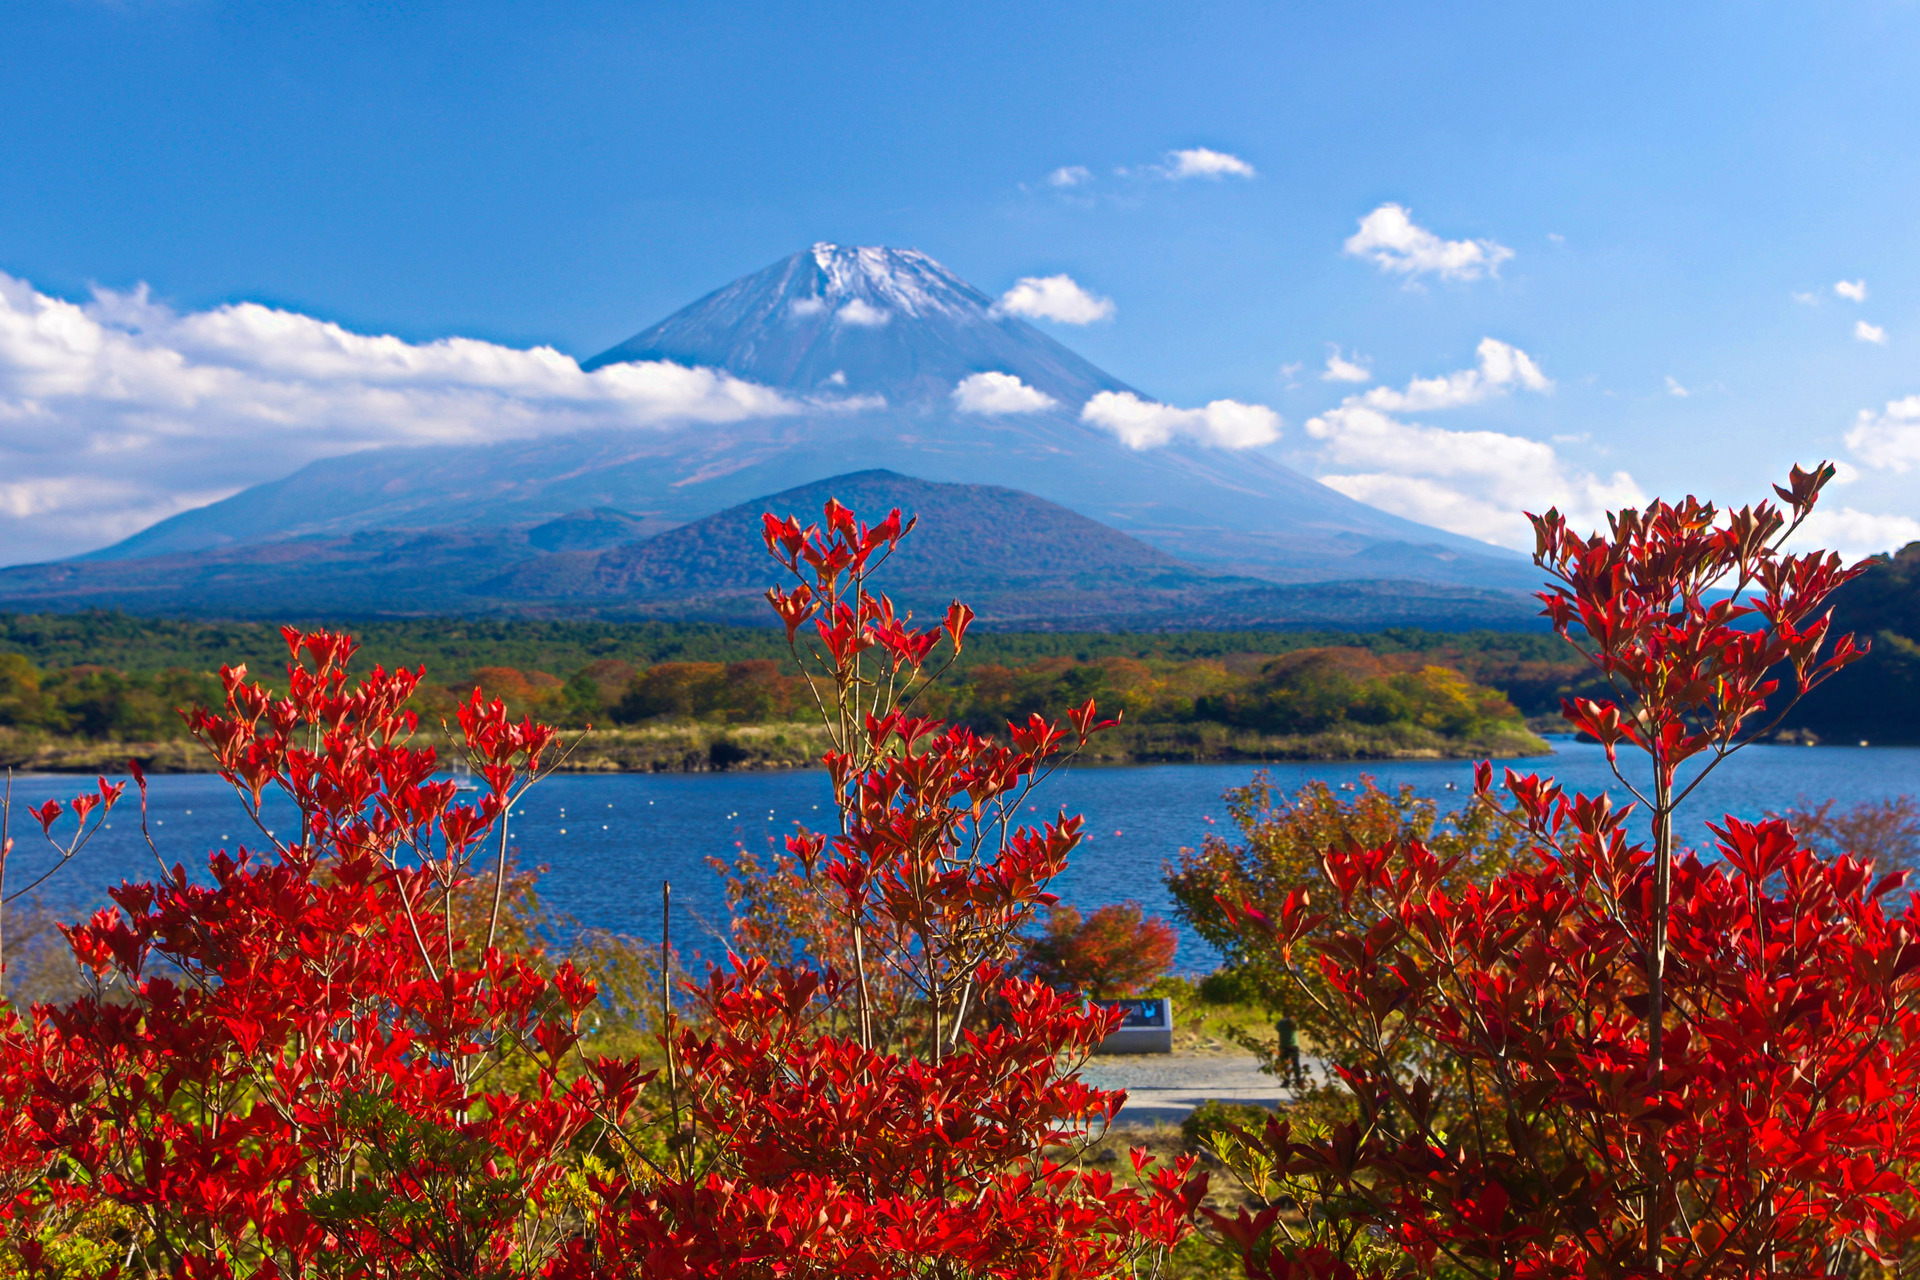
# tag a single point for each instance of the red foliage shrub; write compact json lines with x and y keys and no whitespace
{"x":846,"y":1135}
{"x":316,"y":1060}
{"x":289,"y":1066}
{"x":1618,"y":1059}
{"x":1119,"y":950}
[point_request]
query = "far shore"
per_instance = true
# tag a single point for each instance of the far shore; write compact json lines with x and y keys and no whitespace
{"x":713,"y":748}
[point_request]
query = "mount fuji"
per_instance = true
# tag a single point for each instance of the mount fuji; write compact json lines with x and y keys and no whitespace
{"x":867,"y":349}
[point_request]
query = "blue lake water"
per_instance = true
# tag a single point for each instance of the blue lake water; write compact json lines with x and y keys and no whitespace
{"x":609,"y":840}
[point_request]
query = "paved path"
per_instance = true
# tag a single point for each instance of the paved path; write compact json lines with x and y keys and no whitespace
{"x":1164,"y":1087}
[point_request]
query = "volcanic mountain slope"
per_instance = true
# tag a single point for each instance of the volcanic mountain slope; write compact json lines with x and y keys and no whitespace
{"x":920,"y":330}
{"x":379,"y":572}
{"x":1019,"y":560}
{"x":867,"y":346}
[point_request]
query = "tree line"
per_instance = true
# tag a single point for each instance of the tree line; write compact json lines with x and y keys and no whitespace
{"x":1307,"y":691}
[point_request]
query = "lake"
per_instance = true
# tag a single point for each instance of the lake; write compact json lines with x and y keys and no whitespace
{"x":609,"y":840}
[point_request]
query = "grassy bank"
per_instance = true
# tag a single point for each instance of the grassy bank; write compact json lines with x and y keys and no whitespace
{"x":35,"y":751}
{"x":695,"y":747}
{"x":1208,"y":743}
{"x":659,"y":748}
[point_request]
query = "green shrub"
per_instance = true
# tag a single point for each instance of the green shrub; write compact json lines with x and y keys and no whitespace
{"x":1228,"y":985}
{"x":1211,"y":1117}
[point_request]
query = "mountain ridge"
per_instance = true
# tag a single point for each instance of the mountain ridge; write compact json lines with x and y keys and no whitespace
{"x":869,"y":344}
{"x":1020,"y":560}
{"x":1015,"y":558}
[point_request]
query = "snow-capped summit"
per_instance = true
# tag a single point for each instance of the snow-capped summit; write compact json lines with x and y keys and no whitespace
{"x":902,"y":281}
{"x":839,"y":320}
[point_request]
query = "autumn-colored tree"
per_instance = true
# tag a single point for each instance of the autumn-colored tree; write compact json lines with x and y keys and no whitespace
{"x":1307,"y":692}
{"x":838,"y":1135}
{"x":1283,"y":838}
{"x":1661,"y":1063}
{"x":1885,"y":833}
{"x":739,"y":692}
{"x":349,"y":1051}
{"x":520,"y":690}
{"x":1119,"y":950}
{"x":292,"y":1065}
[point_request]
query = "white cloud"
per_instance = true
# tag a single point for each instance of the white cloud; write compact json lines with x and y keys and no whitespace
{"x":1340,"y":369}
{"x":1890,"y":439}
{"x":119,"y":412}
{"x":1854,"y":534}
{"x":860,"y":312}
{"x":1675,"y":389}
{"x":1147,"y":424}
{"x":807,"y":306}
{"x":1200,"y":162}
{"x":1070,"y":175}
{"x":1391,"y":239}
{"x":1806,"y":299}
{"x":1854,"y":290}
{"x":1869,"y":332}
{"x":1477,"y":483}
{"x":1502,"y":367}
{"x":1054,"y":298}
{"x":999,"y":393}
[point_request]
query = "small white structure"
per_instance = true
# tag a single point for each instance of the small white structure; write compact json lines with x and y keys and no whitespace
{"x":1148,"y":1027}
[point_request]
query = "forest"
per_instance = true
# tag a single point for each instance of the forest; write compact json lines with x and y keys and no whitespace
{"x":1310,"y":702}
{"x":700,"y":695}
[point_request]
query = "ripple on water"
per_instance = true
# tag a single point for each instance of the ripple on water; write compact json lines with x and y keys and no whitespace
{"x":609,"y":839}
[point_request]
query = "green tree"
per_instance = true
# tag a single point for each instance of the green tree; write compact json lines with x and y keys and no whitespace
{"x":1284,"y":840}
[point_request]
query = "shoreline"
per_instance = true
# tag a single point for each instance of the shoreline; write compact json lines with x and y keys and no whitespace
{"x":696,"y":748}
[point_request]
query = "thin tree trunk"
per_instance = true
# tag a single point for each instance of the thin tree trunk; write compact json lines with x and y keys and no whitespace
{"x":666,"y":1014}
{"x":499,"y":879}
{"x":6,"y":850}
{"x":1656,"y":999}
{"x":860,"y":973}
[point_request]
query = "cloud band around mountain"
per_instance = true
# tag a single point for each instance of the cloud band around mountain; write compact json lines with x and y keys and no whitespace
{"x":118,"y":412}
{"x":1473,"y":482}
{"x":1888,"y":439}
{"x":1854,"y":534}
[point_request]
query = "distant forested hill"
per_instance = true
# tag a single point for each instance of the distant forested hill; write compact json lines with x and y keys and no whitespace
{"x":1878,"y":698}
{"x":85,"y":690}
{"x":1333,"y":702}
{"x":1532,"y":667}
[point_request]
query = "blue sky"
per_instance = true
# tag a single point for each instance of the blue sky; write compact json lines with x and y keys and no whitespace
{"x":1649,"y":188}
